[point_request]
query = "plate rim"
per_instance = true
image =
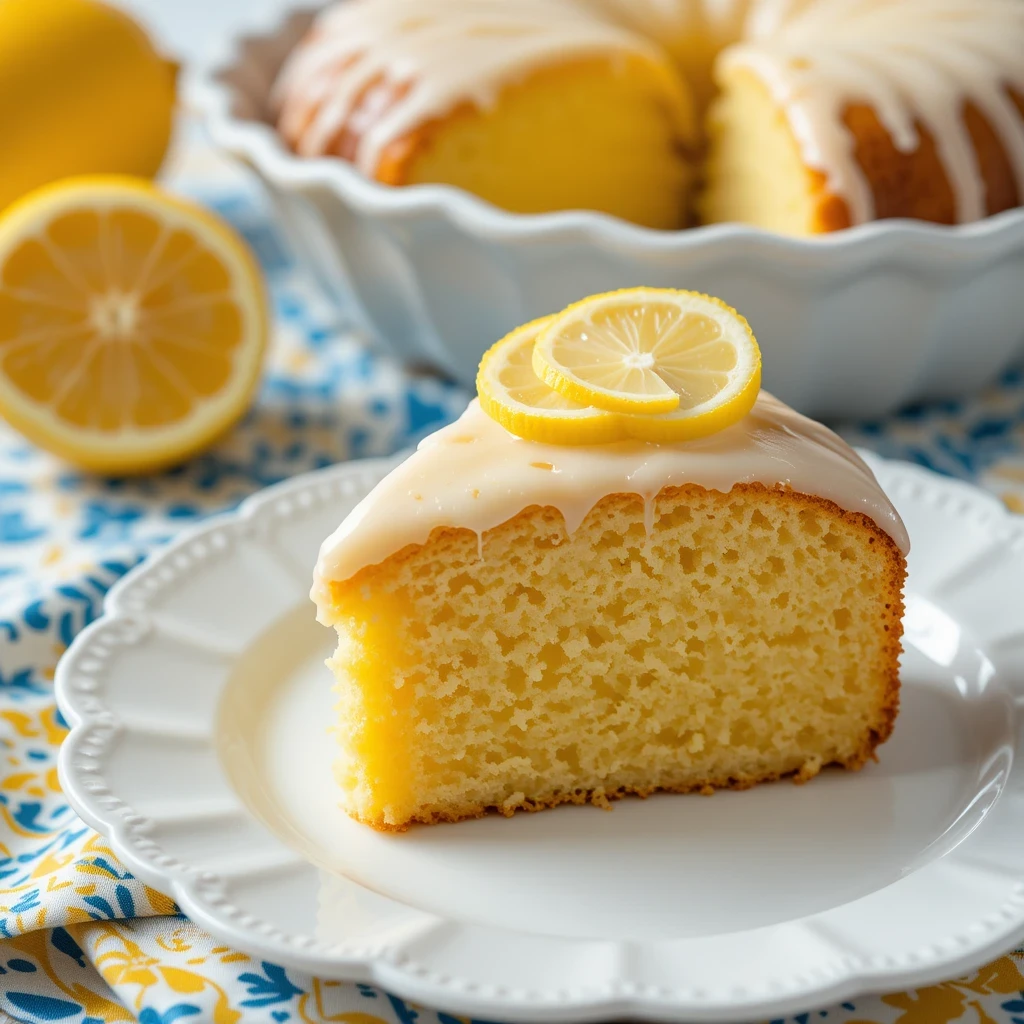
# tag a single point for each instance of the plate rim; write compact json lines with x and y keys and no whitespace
{"x":91,"y":726}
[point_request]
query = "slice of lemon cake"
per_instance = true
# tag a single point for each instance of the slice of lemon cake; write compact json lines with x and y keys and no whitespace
{"x":613,"y":609}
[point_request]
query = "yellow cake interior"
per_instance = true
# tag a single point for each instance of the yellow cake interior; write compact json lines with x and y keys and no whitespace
{"x":750,"y":635}
{"x":613,"y":142}
{"x":819,"y":115}
{"x":755,"y":173}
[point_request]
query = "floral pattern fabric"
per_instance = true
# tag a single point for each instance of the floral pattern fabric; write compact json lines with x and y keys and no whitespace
{"x":81,"y":940}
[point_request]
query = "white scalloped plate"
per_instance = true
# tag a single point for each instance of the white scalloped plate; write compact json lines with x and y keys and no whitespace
{"x":198,"y":708}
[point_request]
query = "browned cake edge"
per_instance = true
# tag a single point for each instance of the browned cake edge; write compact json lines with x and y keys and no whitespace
{"x":396,"y":161}
{"x":878,"y":734}
{"x":916,"y":184}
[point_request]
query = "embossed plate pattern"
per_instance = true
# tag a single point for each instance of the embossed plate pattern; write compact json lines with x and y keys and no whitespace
{"x":198,"y":708}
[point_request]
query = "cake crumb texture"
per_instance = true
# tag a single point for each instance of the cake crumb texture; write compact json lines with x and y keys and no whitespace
{"x":743,"y":637}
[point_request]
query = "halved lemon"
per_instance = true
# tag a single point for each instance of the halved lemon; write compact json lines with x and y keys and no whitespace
{"x":511,"y":394}
{"x":653,"y":350}
{"x":132,"y":323}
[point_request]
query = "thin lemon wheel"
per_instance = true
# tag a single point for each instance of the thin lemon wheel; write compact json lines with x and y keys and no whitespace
{"x":511,"y":394}
{"x":132,"y":323}
{"x":650,"y":351}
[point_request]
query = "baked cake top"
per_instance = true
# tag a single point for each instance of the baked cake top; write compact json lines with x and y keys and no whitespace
{"x":475,"y":474}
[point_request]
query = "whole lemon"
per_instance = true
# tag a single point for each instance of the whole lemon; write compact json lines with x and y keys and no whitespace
{"x":82,"y":91}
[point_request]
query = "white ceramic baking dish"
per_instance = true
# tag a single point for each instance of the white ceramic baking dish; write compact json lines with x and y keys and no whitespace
{"x":851,"y":324}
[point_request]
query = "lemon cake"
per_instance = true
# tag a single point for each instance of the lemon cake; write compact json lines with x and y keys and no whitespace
{"x":534,"y":105}
{"x":800,"y":116}
{"x":831,"y":113}
{"x":525,"y":623}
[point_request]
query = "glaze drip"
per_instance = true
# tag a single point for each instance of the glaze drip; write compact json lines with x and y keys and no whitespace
{"x":476,"y":475}
{"x":916,"y":63}
{"x":425,"y":60}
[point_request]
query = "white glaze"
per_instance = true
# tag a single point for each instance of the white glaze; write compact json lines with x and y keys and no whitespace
{"x":915,"y":62}
{"x":475,"y":474}
{"x":448,"y":52}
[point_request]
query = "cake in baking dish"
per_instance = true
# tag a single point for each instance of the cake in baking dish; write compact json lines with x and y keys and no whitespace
{"x":802,"y":116}
{"x":523,"y":624}
{"x":831,"y":113}
{"x":533,"y":105}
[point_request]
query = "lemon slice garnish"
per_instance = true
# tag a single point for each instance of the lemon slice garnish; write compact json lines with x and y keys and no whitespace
{"x":653,"y":350}
{"x":511,"y":394}
{"x":132,"y":323}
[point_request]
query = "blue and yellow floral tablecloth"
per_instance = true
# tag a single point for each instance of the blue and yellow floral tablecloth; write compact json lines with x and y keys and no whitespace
{"x":80,"y":939}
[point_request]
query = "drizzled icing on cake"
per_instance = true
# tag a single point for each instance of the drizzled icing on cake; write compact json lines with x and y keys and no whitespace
{"x":916,"y":63}
{"x":476,"y":475}
{"x":432,"y":57}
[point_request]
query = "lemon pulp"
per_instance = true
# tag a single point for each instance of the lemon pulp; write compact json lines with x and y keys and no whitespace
{"x":132,"y":323}
{"x":659,"y":365}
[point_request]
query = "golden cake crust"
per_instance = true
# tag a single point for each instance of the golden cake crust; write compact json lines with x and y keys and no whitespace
{"x":870,"y":143}
{"x":521,"y":152}
{"x":911,"y":183}
{"x":915,"y":184}
{"x":887,"y":706}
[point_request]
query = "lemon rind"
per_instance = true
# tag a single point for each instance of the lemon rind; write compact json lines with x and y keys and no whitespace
{"x":571,"y":386}
{"x":546,"y":426}
{"x":593,"y":425}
